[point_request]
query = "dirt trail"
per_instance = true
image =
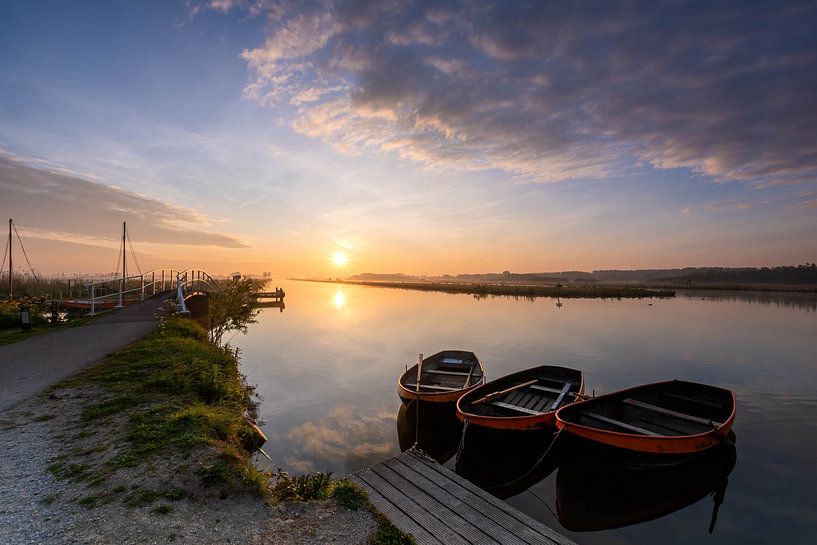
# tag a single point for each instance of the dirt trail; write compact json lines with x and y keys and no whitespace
{"x":28,"y":367}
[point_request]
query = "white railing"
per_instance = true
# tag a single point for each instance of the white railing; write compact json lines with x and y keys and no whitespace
{"x":192,"y":282}
{"x":137,"y":287}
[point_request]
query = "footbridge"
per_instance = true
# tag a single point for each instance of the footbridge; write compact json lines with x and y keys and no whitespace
{"x":117,"y":292}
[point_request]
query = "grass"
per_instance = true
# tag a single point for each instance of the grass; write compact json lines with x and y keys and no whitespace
{"x":175,"y":391}
{"x":12,"y":333}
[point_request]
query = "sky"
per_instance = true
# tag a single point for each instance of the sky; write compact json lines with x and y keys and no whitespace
{"x":415,"y":137}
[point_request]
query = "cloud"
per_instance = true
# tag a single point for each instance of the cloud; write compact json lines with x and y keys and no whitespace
{"x":67,"y":207}
{"x":346,"y":434}
{"x":551,"y":90}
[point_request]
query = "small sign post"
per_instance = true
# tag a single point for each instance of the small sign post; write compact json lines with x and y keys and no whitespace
{"x":25,"y":317}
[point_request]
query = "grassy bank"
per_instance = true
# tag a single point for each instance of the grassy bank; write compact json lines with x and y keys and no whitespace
{"x":175,"y":404}
{"x":176,"y":391}
{"x":514,"y":290}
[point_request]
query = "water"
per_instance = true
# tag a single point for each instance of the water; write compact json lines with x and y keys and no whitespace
{"x":327,"y":366}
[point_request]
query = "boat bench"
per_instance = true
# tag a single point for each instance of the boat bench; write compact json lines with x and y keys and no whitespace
{"x":668,"y":412}
{"x":536,"y":408}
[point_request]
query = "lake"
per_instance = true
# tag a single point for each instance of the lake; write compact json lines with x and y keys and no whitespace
{"x":326,"y":369}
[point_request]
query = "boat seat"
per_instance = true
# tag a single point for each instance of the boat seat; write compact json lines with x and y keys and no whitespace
{"x":699,"y":401}
{"x":514,"y":408}
{"x":546,"y":389}
{"x":441,"y":372}
{"x":432,"y":387}
{"x":562,"y":394}
{"x":620,"y":424}
{"x":668,"y":412}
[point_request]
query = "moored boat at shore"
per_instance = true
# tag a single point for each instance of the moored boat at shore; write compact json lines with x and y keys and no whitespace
{"x":666,"y":417}
{"x":525,"y":400}
{"x":441,"y":378}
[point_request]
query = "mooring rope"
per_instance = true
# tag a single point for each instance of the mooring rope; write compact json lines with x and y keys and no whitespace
{"x":539,"y":461}
{"x":461,"y":446}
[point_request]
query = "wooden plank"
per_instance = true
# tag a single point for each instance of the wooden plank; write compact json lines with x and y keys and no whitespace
{"x":433,"y":387}
{"x":620,"y":424}
{"x":668,"y":412}
{"x":407,"y":505}
{"x":526,"y":398}
{"x":700,"y":401}
{"x":534,"y":532}
{"x":545,"y":389}
{"x":543,"y":402}
{"x":559,"y":399}
{"x":395,"y":515}
{"x":514,"y":407}
{"x":473,"y":517}
{"x":441,"y":372}
{"x":513,"y":397}
{"x":447,"y":511}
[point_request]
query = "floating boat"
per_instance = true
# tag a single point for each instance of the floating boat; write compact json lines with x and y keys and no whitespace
{"x":84,"y":304}
{"x":526,"y":400}
{"x":443,"y":377}
{"x":666,"y":417}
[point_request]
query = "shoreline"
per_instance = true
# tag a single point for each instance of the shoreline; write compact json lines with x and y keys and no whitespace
{"x":152,"y":443}
{"x":514,"y":290}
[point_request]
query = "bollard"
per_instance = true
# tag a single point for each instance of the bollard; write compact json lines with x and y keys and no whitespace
{"x":25,"y":317}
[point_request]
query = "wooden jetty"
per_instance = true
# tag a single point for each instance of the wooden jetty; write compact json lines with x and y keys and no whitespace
{"x":278,"y":293}
{"x":438,"y":507}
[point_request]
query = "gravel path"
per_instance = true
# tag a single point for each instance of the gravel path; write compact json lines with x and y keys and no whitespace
{"x":28,"y":367}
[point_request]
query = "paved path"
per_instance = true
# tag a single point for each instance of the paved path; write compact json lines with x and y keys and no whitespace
{"x":30,"y":366}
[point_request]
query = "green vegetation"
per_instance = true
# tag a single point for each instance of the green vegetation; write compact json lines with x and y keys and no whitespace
{"x":519,"y":290}
{"x":232,"y":308}
{"x":176,"y":391}
{"x":388,"y":534}
{"x":320,"y":486}
{"x":10,"y":331}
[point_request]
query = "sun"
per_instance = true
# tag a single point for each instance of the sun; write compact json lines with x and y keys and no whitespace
{"x":340,"y":259}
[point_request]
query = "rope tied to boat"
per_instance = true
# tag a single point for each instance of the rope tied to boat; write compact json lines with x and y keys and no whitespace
{"x":462,"y":439}
{"x":539,"y":461}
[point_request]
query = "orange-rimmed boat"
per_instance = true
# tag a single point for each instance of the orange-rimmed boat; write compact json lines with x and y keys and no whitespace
{"x":675,"y":417}
{"x":525,"y":400}
{"x":443,"y":377}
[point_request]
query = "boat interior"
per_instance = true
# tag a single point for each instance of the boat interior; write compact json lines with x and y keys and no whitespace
{"x":447,"y":371}
{"x":536,"y":392}
{"x":672,"y":409}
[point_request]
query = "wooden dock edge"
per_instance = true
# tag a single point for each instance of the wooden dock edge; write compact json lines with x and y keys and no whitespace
{"x":438,"y":507}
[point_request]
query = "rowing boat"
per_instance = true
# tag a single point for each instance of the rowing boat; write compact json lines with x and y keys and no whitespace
{"x":665,"y":417}
{"x":443,"y":377}
{"x":525,"y":400}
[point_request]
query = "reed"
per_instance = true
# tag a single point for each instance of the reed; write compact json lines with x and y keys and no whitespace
{"x":519,"y":290}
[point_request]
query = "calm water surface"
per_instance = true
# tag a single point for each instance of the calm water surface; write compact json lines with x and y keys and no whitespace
{"x":326,"y":368}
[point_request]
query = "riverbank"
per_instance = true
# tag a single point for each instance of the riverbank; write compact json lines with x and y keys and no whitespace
{"x":515,"y":290}
{"x":151,"y":445}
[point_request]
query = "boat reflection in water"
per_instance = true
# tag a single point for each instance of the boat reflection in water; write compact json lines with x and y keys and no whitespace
{"x":599,"y":488}
{"x":507,"y":462}
{"x":439,"y":431}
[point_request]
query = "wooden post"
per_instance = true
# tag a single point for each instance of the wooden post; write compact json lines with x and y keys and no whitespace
{"x":419,"y":372}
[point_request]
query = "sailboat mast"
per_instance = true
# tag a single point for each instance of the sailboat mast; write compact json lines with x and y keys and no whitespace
{"x":11,"y":269}
{"x":124,"y":233}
